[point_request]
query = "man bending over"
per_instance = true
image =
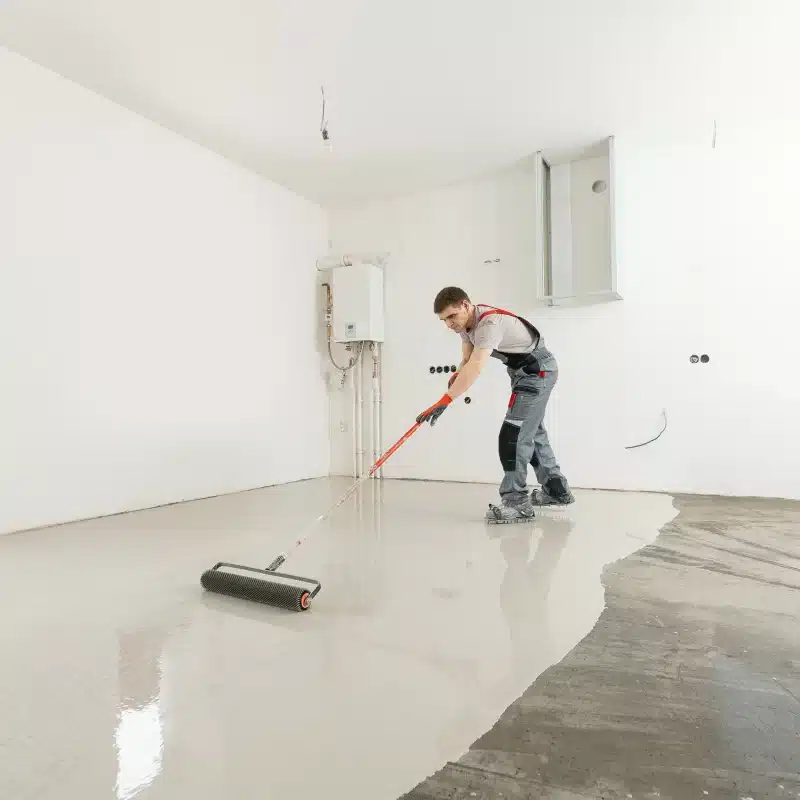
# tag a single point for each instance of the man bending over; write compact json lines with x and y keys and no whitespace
{"x":486,"y":331}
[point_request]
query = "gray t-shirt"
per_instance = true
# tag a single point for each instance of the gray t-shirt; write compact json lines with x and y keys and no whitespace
{"x":499,"y":332}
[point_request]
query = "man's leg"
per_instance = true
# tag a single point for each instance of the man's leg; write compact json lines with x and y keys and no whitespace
{"x":516,"y":448}
{"x":543,"y":459}
{"x":555,"y":489}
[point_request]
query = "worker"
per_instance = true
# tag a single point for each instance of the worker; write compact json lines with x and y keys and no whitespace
{"x":492,"y":332}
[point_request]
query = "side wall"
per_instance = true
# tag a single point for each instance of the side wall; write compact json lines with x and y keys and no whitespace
{"x":158,"y":313}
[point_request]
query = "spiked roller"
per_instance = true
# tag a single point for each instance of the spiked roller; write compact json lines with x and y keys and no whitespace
{"x":261,"y":586}
{"x":277,"y":588}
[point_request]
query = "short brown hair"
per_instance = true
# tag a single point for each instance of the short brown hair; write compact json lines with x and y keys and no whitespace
{"x":449,"y":296}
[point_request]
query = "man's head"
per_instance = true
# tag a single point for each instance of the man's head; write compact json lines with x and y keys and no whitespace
{"x":454,"y":308}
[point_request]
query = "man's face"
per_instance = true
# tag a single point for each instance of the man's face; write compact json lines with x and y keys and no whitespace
{"x":456,"y":317}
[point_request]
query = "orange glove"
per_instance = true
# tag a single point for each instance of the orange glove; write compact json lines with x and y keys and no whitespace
{"x":436,"y":410}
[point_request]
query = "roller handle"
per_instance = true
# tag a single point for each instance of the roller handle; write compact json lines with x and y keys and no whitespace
{"x":375,"y":467}
{"x":378,"y":464}
{"x":396,"y":446}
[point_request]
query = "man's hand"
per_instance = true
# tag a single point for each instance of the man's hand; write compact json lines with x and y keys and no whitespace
{"x":436,"y":410}
{"x":452,"y":378}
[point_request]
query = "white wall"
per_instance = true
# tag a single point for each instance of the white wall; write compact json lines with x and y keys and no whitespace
{"x":579,"y":228}
{"x":708,"y":244}
{"x":591,"y":244}
{"x":561,"y":229}
{"x":435,"y":239}
{"x":158,"y":328}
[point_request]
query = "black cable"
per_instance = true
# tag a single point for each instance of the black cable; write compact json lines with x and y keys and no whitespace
{"x":650,"y":441}
{"x":323,"y":124}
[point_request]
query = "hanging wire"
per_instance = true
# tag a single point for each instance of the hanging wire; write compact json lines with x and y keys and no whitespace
{"x":353,"y":359}
{"x":328,"y":311}
{"x":650,"y":441}
{"x":323,"y":124}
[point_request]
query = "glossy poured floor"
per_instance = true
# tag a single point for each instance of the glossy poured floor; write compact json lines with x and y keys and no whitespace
{"x":121,"y":678}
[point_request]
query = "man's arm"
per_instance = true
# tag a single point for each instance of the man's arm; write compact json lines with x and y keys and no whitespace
{"x":466,"y":352}
{"x":472,"y":365}
{"x":470,"y":371}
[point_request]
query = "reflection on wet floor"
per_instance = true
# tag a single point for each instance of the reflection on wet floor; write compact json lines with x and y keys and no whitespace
{"x":139,"y":737}
{"x":430,"y":623}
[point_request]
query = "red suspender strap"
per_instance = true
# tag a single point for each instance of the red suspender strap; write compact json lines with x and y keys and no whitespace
{"x":495,"y":311}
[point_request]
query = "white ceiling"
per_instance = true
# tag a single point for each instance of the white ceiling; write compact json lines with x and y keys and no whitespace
{"x":420,"y":92}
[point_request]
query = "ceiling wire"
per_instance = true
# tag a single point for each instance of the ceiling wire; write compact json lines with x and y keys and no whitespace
{"x":323,"y":125}
{"x":650,"y":441}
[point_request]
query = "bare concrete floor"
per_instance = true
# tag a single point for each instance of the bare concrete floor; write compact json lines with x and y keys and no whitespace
{"x":687,"y":687}
{"x":121,"y":678}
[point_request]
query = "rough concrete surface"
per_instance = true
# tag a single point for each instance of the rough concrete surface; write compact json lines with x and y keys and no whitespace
{"x":687,"y":687}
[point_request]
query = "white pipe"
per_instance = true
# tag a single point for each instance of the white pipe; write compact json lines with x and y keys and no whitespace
{"x":359,"y":418}
{"x":367,"y":424}
{"x":355,"y":440}
{"x":376,"y":392}
{"x":380,"y":403}
{"x":364,"y":431}
{"x":360,"y":410}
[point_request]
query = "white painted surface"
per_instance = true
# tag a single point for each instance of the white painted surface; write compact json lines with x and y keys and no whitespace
{"x":591,"y":246}
{"x":428,"y":626}
{"x":562,"y":238}
{"x":157,"y":313}
{"x":419,"y":93}
{"x":358,"y":310}
{"x":707,"y":251}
